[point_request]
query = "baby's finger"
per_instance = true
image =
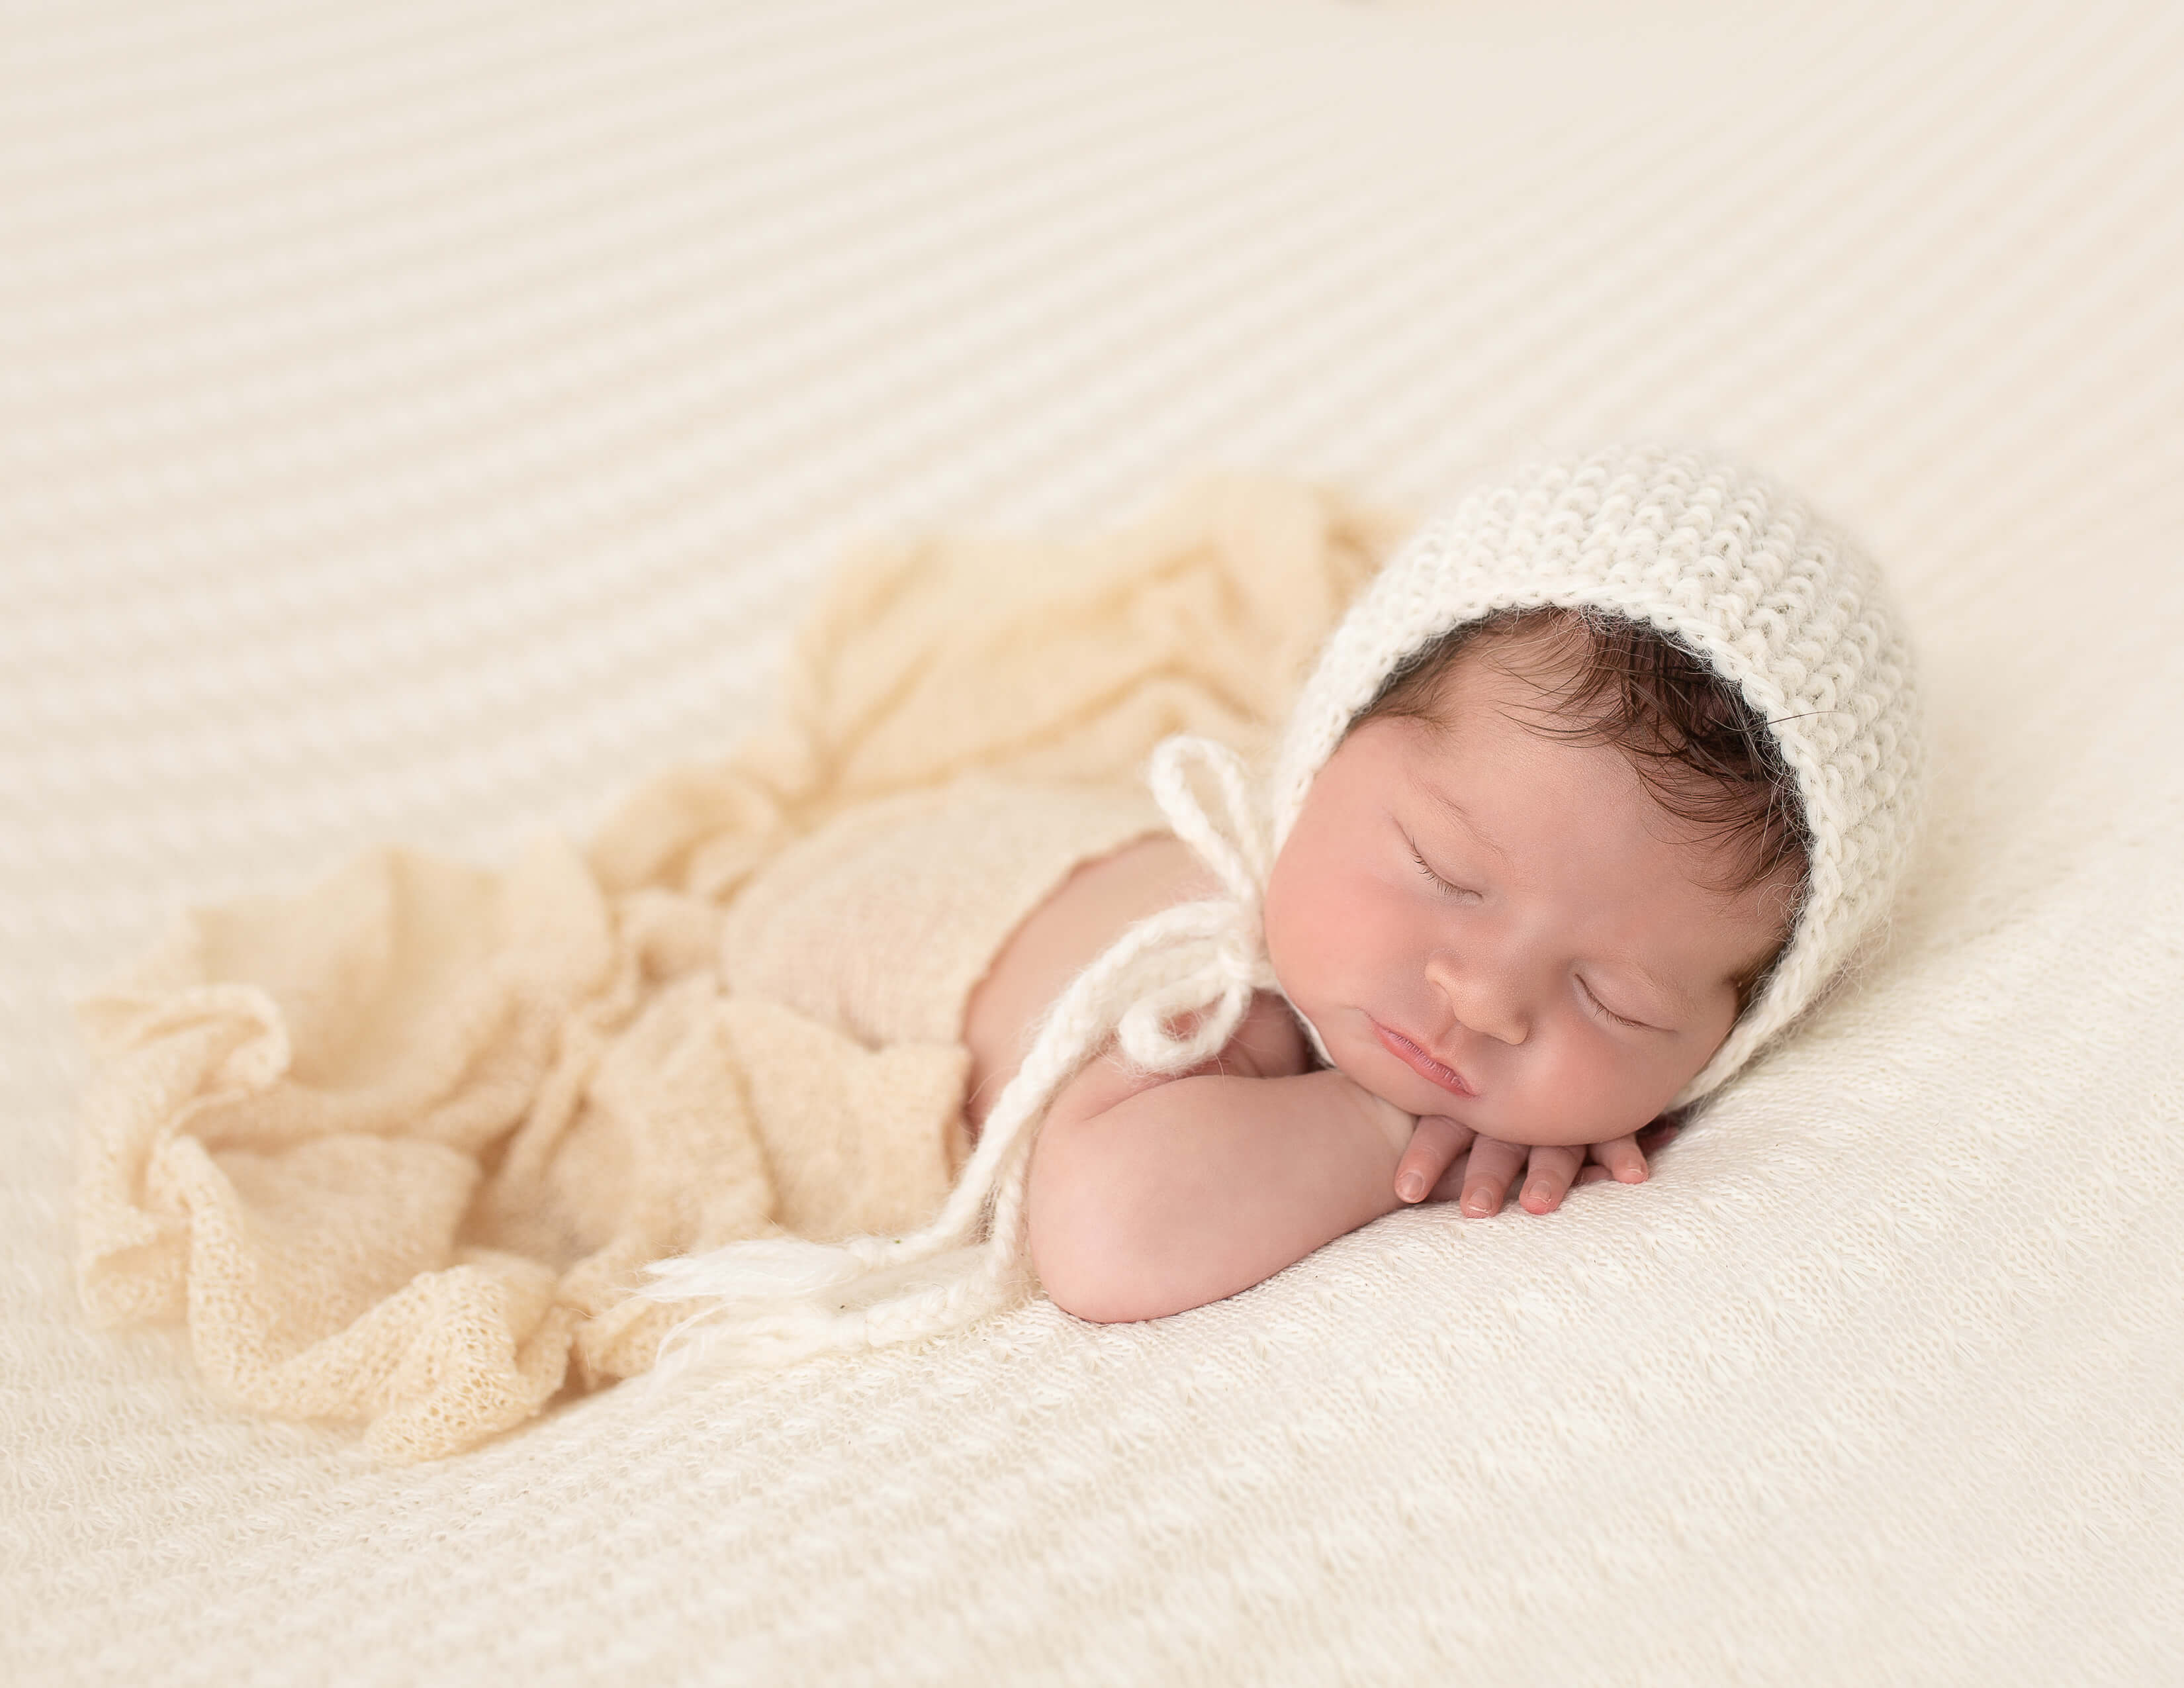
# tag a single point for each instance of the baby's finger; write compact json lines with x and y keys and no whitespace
{"x":1623,"y":1159}
{"x":1435,"y":1142}
{"x":1549,"y":1180}
{"x":1451,"y":1185}
{"x":1494,"y":1166}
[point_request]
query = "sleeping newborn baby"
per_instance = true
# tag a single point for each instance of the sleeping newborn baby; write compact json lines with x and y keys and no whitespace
{"x":1598,"y":784}
{"x":1522,"y":905}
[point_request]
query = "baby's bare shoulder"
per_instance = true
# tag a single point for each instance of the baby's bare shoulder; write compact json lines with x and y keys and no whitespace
{"x":1057,"y":941}
{"x":1269,"y":1044}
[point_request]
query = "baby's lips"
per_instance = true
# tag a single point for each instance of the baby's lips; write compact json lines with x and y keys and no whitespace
{"x":1415,"y":1056}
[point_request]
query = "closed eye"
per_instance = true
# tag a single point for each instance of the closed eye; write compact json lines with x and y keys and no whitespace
{"x":1438,"y":883}
{"x":1601,"y":1008}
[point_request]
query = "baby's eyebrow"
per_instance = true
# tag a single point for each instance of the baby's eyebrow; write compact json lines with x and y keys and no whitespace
{"x":1462,"y":816}
{"x":1667,"y":992}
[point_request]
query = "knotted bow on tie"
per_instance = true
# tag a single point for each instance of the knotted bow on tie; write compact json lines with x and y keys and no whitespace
{"x":1189,"y":973}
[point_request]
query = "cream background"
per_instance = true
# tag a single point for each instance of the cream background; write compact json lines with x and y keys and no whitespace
{"x":420,"y":421}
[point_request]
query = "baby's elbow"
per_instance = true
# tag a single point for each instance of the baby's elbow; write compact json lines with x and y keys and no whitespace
{"x":1085,"y":1266}
{"x":1094,"y":1296}
{"x":1089,"y":1262}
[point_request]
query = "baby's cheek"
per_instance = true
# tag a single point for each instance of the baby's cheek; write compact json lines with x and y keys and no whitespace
{"x":1628,"y":1096}
{"x":1288,"y":919}
{"x":1579,"y":1098}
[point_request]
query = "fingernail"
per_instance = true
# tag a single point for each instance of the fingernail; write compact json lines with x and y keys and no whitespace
{"x":1539,"y":1192}
{"x":1632,"y":1175}
{"x":1479,"y":1203}
{"x":1411,"y":1186}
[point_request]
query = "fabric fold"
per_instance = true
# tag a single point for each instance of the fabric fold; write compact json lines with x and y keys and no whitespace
{"x":397,"y":1148}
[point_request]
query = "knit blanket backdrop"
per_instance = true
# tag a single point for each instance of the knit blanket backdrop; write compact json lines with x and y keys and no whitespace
{"x":423,"y":424}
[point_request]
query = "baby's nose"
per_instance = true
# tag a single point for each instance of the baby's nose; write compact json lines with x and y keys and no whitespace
{"x":1485,"y":997}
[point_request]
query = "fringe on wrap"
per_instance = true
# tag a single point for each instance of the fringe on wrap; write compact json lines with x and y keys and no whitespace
{"x":782,"y":1298}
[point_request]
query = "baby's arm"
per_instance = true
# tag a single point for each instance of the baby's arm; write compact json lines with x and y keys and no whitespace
{"x":1148,"y":1195}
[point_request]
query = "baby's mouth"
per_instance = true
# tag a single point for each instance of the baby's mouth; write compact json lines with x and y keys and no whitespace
{"x":1422,"y":1063}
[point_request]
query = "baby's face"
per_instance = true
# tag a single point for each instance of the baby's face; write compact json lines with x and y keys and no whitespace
{"x":1493,"y":925}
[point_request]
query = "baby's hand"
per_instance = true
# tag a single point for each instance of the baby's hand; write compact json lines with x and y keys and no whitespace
{"x":1446,"y":1159}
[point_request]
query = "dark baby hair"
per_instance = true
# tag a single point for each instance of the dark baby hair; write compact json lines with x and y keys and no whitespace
{"x":1706,"y":758}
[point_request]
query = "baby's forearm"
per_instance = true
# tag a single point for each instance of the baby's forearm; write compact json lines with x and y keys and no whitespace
{"x":1193,"y":1190}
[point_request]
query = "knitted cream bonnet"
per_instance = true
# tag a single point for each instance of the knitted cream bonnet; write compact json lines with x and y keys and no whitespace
{"x":1732,"y":568}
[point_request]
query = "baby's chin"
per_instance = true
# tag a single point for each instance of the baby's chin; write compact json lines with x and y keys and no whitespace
{"x":1477,"y":1114}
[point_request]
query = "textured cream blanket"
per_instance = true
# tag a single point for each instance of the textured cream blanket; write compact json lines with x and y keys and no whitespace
{"x":341,"y":345}
{"x":397,"y":1148}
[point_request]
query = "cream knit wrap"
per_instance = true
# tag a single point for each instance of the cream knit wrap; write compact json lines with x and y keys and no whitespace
{"x":1783,"y":606}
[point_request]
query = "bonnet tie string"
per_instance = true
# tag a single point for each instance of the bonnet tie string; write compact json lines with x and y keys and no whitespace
{"x":1216,"y":953}
{"x":1172,"y":990}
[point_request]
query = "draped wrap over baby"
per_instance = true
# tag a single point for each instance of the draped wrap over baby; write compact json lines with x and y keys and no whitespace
{"x":397,"y":1148}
